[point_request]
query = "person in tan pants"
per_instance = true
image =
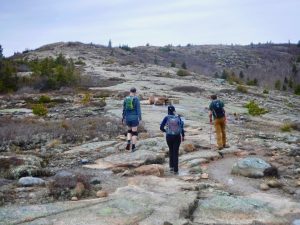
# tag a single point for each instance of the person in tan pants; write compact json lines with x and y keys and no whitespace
{"x":217,"y":113}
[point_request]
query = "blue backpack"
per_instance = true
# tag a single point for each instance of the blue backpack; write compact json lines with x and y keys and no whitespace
{"x":174,"y":125}
{"x":217,"y":109}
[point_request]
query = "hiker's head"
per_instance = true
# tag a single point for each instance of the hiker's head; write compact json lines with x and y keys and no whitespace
{"x":171,"y":110}
{"x":213,"y":97}
{"x":133,"y":91}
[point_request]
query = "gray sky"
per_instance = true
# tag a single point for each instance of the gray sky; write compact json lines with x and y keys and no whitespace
{"x":32,"y":23}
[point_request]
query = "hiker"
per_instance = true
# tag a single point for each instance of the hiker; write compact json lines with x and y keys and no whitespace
{"x":217,"y":113}
{"x":131,"y":116}
{"x":172,"y":125}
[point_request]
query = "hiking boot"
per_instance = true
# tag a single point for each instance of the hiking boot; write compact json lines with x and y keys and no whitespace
{"x":171,"y":169}
{"x":220,"y":148}
{"x":175,"y":173}
{"x":226,"y":146}
{"x":127,"y":147}
{"x":221,"y":154}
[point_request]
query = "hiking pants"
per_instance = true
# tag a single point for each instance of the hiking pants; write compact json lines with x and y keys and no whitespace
{"x":220,"y":131}
{"x":173,"y":142}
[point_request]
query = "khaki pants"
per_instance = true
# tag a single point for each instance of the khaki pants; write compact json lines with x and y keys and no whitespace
{"x":220,"y":131}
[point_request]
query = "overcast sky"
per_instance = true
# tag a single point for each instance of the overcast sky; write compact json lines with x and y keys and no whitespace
{"x":32,"y":23}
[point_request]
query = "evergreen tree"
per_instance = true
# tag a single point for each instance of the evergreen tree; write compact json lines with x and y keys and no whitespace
{"x":277,"y":84}
{"x":1,"y":52}
{"x":109,"y":44}
{"x":183,"y":66}
{"x":241,"y":75}
{"x":155,"y":60}
{"x":173,"y":64}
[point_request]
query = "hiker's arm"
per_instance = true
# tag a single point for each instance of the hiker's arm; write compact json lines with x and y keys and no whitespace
{"x":123,"y":114}
{"x":138,"y":106}
{"x":210,"y":116}
{"x":163,"y":124}
{"x":182,"y":130}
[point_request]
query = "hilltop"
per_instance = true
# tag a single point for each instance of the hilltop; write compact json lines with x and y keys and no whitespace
{"x":267,"y":63}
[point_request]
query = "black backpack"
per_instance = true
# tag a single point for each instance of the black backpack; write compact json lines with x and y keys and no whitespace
{"x":217,"y":109}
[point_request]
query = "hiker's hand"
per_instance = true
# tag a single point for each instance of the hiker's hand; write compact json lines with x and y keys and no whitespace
{"x":210,"y":121}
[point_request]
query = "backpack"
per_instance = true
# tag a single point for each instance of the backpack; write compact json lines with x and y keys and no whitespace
{"x":217,"y":109}
{"x":174,"y":125}
{"x":129,"y":103}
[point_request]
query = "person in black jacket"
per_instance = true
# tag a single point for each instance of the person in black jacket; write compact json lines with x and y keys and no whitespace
{"x":172,"y":125}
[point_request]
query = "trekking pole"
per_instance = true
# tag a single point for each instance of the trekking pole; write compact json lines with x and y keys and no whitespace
{"x":210,"y":131}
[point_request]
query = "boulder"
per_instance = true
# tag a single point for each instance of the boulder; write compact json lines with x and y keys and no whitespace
{"x":264,"y":187}
{"x":31,"y":181}
{"x":222,"y":209}
{"x":74,"y":199}
{"x":250,"y":167}
{"x":101,"y":194}
{"x":189,"y":147}
{"x":129,"y":160}
{"x":153,"y":169}
{"x":95,"y":180}
{"x":65,"y":179}
{"x":274,"y":183}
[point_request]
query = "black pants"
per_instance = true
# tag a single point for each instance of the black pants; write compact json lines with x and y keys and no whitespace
{"x":173,"y":142}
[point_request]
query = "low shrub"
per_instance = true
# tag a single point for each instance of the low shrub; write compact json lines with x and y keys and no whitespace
{"x":86,"y":99}
{"x":183,"y":73}
{"x":287,"y":127}
{"x":242,"y":89}
{"x":265,"y":91}
{"x":44,"y":99}
{"x":39,"y":110}
{"x":254,"y":109}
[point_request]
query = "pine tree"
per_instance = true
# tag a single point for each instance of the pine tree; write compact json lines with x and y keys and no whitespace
{"x":183,"y":66}
{"x":109,"y":44}
{"x":241,"y":75}
{"x":1,"y":52}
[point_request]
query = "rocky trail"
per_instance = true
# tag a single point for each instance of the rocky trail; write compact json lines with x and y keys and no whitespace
{"x":98,"y":182}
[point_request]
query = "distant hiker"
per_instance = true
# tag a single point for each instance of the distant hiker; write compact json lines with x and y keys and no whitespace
{"x":132,"y":115}
{"x":217,"y":113}
{"x":172,"y":125}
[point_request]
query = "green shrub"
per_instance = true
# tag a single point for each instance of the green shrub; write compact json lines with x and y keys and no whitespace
{"x":39,"y":110}
{"x":297,"y":90}
{"x":86,"y":99}
{"x":166,"y":48}
{"x":254,"y":109}
{"x":277,"y":85}
{"x":253,"y":82}
{"x":242,"y":89}
{"x":266,"y":91}
{"x":183,"y":73}
{"x":44,"y":99}
{"x":287,"y":127}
